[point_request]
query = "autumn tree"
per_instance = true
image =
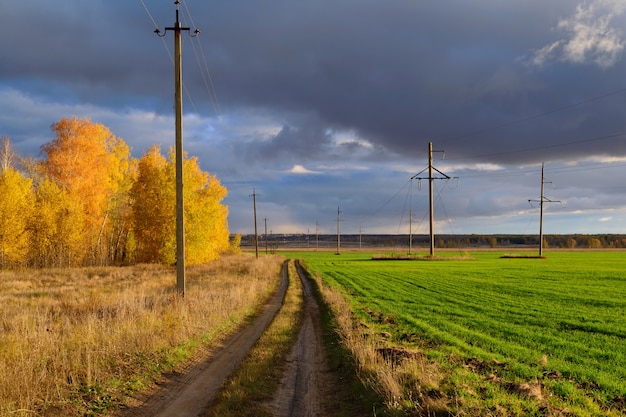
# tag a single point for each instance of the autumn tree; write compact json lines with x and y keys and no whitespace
{"x":151,"y":212}
{"x":7,"y":156}
{"x":206,"y":224}
{"x":594,"y":243}
{"x":122,"y":174}
{"x":56,"y":232}
{"x":90,"y":202}
{"x":154,"y":211}
{"x":90,"y":164}
{"x":15,"y":209}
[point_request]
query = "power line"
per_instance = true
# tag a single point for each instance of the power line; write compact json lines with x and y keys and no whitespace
{"x":204,"y":69}
{"x":169,"y":53}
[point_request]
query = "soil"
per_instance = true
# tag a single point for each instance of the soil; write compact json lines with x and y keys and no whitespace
{"x":302,"y":389}
{"x":189,"y":392}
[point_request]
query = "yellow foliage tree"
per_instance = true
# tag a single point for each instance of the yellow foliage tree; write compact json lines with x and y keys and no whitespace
{"x":206,"y":219}
{"x":151,"y":214}
{"x":92,"y":165}
{"x":15,"y":208}
{"x":122,"y":174}
{"x":154,"y":211}
{"x":56,"y":228}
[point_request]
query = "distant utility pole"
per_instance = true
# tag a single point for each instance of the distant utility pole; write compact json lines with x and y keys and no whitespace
{"x":266,"y":235}
{"x":338,"y":231}
{"x":178,"y":89}
{"x":256,"y":234}
{"x":542,"y":199}
{"x":360,"y":236}
{"x":317,"y":237}
{"x":410,"y":229}
{"x":431,"y":194}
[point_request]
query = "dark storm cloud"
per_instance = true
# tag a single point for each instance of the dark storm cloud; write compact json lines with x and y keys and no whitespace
{"x":396,"y":72}
{"x":352,"y":89}
{"x":403,"y":72}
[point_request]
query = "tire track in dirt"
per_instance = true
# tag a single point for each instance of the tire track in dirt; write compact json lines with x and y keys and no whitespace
{"x":189,"y":393}
{"x":305,"y":383}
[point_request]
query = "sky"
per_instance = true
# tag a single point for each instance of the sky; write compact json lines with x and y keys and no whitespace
{"x":320,"y":107}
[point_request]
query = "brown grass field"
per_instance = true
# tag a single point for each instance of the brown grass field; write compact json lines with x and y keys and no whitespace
{"x":80,"y":341}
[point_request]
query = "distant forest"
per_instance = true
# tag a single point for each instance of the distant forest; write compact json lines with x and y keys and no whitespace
{"x":568,"y":241}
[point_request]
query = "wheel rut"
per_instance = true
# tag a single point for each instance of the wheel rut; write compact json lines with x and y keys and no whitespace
{"x":304,"y":385}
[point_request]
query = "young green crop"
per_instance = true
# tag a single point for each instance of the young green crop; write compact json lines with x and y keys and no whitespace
{"x":559,"y":321}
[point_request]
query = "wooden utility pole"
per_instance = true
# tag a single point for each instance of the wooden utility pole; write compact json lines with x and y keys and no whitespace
{"x":178,"y":107}
{"x":338,"y":231}
{"x":256,"y":233}
{"x":360,"y":237}
{"x":317,"y":238}
{"x":266,"y":235}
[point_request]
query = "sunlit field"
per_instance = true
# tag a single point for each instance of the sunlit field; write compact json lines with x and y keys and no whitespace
{"x":490,"y":336}
{"x":79,"y":341}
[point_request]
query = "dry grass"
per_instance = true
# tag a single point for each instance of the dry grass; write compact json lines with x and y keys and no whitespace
{"x":77,"y":341}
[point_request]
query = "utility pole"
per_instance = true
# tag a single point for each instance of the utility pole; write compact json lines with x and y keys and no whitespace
{"x":431,"y":198}
{"x":431,"y":194}
{"x":338,"y":231}
{"x":178,"y":93}
{"x":543,"y":182}
{"x":256,"y":234}
{"x":410,"y":229}
{"x":266,"y":235}
{"x":360,"y":236}
{"x":542,"y":200}
{"x":317,"y":238}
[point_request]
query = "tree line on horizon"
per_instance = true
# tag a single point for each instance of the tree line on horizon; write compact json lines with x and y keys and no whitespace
{"x":89,"y":202}
{"x":449,"y":241}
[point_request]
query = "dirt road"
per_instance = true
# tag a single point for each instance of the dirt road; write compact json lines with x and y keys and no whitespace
{"x":302,"y":389}
{"x":189,"y":393}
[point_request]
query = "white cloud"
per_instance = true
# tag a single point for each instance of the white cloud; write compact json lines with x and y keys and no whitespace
{"x":589,"y":36}
{"x":299,"y":169}
{"x":543,"y":55}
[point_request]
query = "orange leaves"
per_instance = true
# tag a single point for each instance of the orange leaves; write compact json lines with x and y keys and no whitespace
{"x":78,"y":160}
{"x":89,"y":202}
{"x":92,"y":166}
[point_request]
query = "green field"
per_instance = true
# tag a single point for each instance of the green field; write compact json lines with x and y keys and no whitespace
{"x":559,"y":322}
